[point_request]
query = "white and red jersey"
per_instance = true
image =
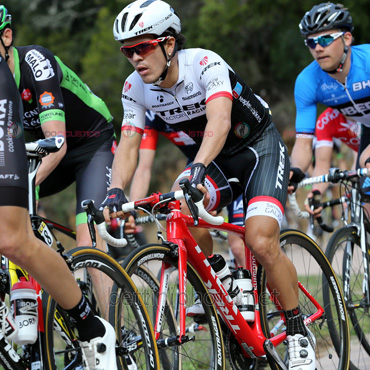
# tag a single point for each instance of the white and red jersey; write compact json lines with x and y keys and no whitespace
{"x":332,"y":124}
{"x":203,"y":76}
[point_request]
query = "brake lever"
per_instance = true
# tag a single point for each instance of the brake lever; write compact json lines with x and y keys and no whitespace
{"x":191,"y":195}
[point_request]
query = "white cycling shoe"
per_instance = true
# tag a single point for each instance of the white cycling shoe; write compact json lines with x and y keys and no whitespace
{"x":196,"y":309}
{"x":302,"y":352}
{"x":100,"y":353}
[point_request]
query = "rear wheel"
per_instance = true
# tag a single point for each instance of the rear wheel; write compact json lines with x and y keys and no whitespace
{"x":316,"y":275}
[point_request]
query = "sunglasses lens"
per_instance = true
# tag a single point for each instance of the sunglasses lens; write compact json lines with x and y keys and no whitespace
{"x":311,"y":43}
{"x":140,"y":49}
{"x":325,"y":40}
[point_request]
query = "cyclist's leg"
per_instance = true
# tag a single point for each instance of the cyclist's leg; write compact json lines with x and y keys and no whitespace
{"x":92,"y":182}
{"x":235,"y":212}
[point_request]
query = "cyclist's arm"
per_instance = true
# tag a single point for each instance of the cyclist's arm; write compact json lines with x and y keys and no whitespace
{"x":125,"y":160}
{"x":218,"y":126}
{"x":140,"y":183}
{"x":323,"y":156}
{"x":301,"y":156}
{"x":51,"y":161}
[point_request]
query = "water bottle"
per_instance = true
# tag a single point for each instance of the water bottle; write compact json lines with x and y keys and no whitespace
{"x":222,"y":271}
{"x":10,"y":328}
{"x":23,"y":299}
{"x":246,"y":304}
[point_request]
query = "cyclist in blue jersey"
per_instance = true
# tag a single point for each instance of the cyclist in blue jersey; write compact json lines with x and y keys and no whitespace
{"x":56,"y":101}
{"x":196,"y":91}
{"x":339,"y":77}
{"x":17,"y":240}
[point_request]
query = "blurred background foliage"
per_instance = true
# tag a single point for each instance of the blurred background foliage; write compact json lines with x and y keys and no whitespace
{"x":259,"y":39}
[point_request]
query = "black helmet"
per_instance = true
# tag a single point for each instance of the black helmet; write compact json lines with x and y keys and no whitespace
{"x":5,"y":18}
{"x":326,"y":16}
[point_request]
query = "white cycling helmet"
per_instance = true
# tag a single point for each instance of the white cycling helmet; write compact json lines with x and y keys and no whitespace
{"x":145,"y":17}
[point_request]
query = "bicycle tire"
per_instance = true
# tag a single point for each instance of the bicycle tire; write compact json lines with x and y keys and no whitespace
{"x":317,"y":276}
{"x":139,"y":341}
{"x":358,"y":312}
{"x":210,"y":353}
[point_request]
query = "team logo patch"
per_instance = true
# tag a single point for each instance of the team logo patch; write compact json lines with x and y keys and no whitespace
{"x":242,"y":130}
{"x":26,"y":95}
{"x":204,"y":61}
{"x":237,"y":90}
{"x":127,"y":87}
{"x":40,"y":66}
{"x":46,"y":99}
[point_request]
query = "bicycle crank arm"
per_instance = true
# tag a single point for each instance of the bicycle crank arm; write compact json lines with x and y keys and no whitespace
{"x":174,"y":341}
{"x":271,"y":352}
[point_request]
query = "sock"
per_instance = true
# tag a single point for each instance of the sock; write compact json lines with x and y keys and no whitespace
{"x":294,"y":322}
{"x":88,"y":325}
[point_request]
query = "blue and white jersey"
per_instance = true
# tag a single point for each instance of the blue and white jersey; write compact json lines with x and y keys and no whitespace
{"x":352,"y":99}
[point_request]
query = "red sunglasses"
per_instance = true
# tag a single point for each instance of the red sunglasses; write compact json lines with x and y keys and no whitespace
{"x":142,"y":48}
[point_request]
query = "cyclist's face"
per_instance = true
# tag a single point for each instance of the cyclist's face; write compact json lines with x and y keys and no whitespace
{"x":329,"y":56}
{"x":150,"y":63}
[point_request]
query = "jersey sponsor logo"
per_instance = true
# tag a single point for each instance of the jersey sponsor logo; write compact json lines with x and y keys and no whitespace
{"x":362,"y":85}
{"x":329,"y":116}
{"x":329,"y":86}
{"x":141,"y":24}
{"x":280,"y":172}
{"x":41,"y":67}
{"x":242,"y":130}
{"x":26,"y":95}
{"x":208,"y":67}
{"x":204,"y":61}
{"x":358,"y":110}
{"x":15,"y":130}
{"x":214,"y":83}
{"x":189,"y":88}
{"x":3,"y":104}
{"x":127,"y":87}
{"x":47,"y":99}
{"x":247,"y":104}
{"x":183,"y":111}
{"x":126,"y":97}
{"x":192,"y":96}
{"x":237,"y":90}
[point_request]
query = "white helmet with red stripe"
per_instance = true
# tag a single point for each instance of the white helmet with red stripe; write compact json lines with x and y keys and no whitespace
{"x":145,"y":17}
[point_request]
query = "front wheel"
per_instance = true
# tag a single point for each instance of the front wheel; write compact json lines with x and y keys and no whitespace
{"x":135,"y":335}
{"x":206,"y":350}
{"x":345,"y":255}
{"x":316,"y":275}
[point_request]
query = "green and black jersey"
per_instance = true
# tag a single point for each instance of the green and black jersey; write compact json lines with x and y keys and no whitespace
{"x":52,"y":91}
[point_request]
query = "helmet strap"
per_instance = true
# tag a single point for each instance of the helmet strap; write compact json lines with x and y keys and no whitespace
{"x":6,"y":48}
{"x":341,"y":63}
{"x":168,"y":63}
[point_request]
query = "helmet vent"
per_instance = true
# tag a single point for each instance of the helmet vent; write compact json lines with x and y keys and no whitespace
{"x":134,"y":22}
{"x":123,"y":22}
{"x":147,"y":3}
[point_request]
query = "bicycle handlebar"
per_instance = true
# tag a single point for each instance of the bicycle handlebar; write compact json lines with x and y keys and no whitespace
{"x":154,"y":200}
{"x":334,"y":176}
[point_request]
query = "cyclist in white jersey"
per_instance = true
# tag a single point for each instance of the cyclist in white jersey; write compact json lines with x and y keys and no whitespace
{"x":338,"y":78}
{"x":194,"y":90}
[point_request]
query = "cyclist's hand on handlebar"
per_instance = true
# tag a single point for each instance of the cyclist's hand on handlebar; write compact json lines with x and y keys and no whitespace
{"x":130,"y":225}
{"x":112,"y":204}
{"x":312,"y":203}
{"x":296,"y":176}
